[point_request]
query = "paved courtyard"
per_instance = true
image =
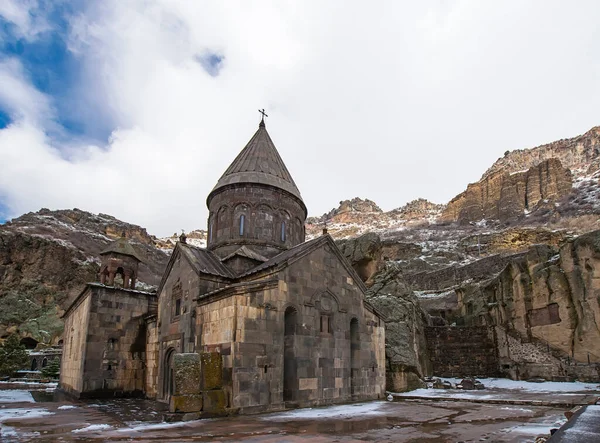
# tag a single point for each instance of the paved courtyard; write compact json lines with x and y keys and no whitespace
{"x":44,"y":416}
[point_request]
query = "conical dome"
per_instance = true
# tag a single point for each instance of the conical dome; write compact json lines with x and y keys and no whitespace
{"x":259,"y":163}
{"x":255,"y":206}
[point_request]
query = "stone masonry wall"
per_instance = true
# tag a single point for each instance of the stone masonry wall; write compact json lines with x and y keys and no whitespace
{"x":462,"y":351}
{"x":73,"y":357}
{"x":264,"y":210}
{"x":116,"y":342}
{"x":249,"y":331}
{"x":152,"y":353}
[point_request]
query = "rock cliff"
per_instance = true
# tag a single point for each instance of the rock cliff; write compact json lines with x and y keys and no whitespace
{"x":507,"y":196}
{"x":580,"y":154}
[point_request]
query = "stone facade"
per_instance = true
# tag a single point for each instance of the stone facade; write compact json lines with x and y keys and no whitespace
{"x":259,"y":320}
{"x":108,"y":356}
{"x":463,"y":351}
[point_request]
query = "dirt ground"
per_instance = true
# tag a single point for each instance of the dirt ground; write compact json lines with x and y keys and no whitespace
{"x":41,"y":416}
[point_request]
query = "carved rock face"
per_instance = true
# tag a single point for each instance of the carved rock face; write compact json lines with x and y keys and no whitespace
{"x":503,"y":196}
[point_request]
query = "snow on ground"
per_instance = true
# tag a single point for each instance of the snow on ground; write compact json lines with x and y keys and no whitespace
{"x":139,"y":426}
{"x":352,"y":410}
{"x":521,"y":385}
{"x":15,"y":396}
{"x":453,"y":393}
{"x":92,"y":428}
{"x":64,"y":407}
{"x":534,"y":429}
{"x":21,"y":413}
{"x":29,"y":383}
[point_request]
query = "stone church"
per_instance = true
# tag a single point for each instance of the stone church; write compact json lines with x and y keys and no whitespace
{"x":258,"y":320}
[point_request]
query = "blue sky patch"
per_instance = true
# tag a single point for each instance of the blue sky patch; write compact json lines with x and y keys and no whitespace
{"x":57,"y":72}
{"x":211,"y":62}
{"x":3,"y":213}
{"x":4,"y":119}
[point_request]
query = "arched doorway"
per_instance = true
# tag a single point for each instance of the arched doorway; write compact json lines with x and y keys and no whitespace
{"x":290,"y":378}
{"x":354,"y":355}
{"x":168,"y":377}
{"x":34,"y":365}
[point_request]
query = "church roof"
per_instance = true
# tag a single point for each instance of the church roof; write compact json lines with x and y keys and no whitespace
{"x":245,"y":252}
{"x":204,"y":261}
{"x":259,"y":162}
{"x":121,"y":246}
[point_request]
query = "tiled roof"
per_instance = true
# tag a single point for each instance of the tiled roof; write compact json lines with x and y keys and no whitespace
{"x":259,"y":162}
{"x":285,"y":255}
{"x":121,"y":246}
{"x":205,"y":261}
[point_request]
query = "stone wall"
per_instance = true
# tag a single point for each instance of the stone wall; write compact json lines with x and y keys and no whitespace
{"x":247,"y":325}
{"x":462,"y":351}
{"x":116,"y":342}
{"x":177,"y":324}
{"x":152,"y":357}
{"x":74,"y":345}
{"x":264,"y":209}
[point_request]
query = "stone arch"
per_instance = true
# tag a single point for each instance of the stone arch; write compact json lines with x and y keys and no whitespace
{"x":104,"y":274}
{"x":168,"y":387}
{"x":298,"y":232}
{"x":326,"y":301}
{"x":241,"y":220}
{"x":290,"y":367}
{"x":34,"y":365}
{"x":44,"y":362}
{"x":221,"y":221}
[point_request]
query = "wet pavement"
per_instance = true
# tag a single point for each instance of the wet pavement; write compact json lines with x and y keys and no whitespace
{"x":40,"y":416}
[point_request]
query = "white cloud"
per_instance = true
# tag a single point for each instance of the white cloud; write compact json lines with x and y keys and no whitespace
{"x":392,"y":101}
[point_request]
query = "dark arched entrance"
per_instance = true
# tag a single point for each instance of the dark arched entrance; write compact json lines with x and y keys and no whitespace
{"x":354,"y":355}
{"x":34,"y":365}
{"x":290,"y":377}
{"x":168,"y":377}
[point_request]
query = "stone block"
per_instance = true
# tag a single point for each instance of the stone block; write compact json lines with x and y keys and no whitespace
{"x":307,"y":383}
{"x":187,"y":373}
{"x":186,"y":403}
{"x":214,"y":401}
{"x":212,"y":370}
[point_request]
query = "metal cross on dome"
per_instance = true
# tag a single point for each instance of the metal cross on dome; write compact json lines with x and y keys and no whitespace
{"x":262,"y":111}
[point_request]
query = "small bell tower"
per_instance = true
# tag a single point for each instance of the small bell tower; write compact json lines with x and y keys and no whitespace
{"x":119,"y":264}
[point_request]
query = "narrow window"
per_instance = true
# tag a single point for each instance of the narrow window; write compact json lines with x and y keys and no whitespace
{"x":242,"y":219}
{"x":282,"y":231}
{"x":326,"y":324}
{"x":177,"y":307}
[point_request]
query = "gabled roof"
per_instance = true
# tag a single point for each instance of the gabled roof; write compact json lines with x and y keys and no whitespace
{"x":121,"y":246}
{"x":204,"y":261}
{"x":259,"y":162}
{"x":291,"y":255}
{"x":201,"y":260}
{"x":245,"y":252}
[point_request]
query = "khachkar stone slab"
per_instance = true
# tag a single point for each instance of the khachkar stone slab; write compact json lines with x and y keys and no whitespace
{"x":187,"y":376}
{"x":213,"y":396}
{"x":212,"y":371}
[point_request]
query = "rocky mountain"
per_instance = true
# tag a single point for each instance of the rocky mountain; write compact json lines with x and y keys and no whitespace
{"x":357,"y":216}
{"x":46,"y":258}
{"x":506,"y":196}
{"x":581,"y":155}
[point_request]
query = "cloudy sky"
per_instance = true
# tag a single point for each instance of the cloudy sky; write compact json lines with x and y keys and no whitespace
{"x":135,"y":107}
